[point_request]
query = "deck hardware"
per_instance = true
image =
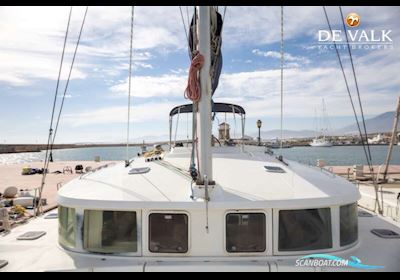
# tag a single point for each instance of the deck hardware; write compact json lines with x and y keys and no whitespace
{"x":31,"y":235}
{"x":364,"y":214}
{"x":51,"y":216}
{"x":142,"y":170}
{"x":280,"y":158}
{"x":385,"y":233}
{"x":3,"y":263}
{"x":274,"y":169}
{"x":207,"y":198}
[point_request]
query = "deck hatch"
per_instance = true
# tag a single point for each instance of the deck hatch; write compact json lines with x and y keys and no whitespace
{"x":385,"y":233}
{"x":51,"y":216}
{"x":136,"y":171}
{"x":363,"y":214}
{"x":274,"y":169}
{"x":31,"y":235}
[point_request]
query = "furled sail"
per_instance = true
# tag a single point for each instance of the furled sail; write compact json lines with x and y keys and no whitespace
{"x":216,"y":42}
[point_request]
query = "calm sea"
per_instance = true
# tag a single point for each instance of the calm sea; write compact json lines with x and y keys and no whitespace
{"x":341,"y":155}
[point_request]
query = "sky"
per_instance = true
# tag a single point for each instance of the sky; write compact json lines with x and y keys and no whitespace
{"x":31,"y":40}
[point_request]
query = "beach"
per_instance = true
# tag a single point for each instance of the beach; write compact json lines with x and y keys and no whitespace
{"x":10,"y":175}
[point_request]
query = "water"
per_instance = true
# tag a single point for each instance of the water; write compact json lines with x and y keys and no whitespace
{"x":84,"y":154}
{"x":340,"y":155}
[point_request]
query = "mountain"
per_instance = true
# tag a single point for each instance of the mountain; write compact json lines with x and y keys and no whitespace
{"x":379,"y":124}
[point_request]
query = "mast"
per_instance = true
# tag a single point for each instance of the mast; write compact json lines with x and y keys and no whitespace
{"x":204,"y":106}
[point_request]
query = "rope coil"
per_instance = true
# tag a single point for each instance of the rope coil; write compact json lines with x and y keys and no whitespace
{"x":192,"y":91}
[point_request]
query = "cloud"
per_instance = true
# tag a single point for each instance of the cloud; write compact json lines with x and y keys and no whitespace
{"x":168,"y":85}
{"x":32,"y":38}
{"x":147,"y":112}
{"x":277,"y":55}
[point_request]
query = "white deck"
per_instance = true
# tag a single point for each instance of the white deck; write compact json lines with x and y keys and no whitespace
{"x":234,"y":173}
{"x":242,"y":184}
{"x":45,"y":255}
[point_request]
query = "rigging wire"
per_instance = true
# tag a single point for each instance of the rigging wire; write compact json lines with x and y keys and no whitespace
{"x":347,"y":85}
{"x":374,"y":179}
{"x":127,"y":163}
{"x":355,"y":112}
{"x":51,"y":139}
{"x":186,"y":31}
{"x":68,"y":80}
{"x":356,"y":84}
{"x":282,"y":65}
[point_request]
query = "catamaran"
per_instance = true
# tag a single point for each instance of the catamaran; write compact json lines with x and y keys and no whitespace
{"x":205,"y":207}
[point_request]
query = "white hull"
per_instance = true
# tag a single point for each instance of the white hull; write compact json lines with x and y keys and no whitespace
{"x":321,"y":144}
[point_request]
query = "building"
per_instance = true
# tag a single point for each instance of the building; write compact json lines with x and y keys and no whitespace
{"x":224,"y":131}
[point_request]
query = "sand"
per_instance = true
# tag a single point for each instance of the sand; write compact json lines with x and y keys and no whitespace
{"x":10,"y":175}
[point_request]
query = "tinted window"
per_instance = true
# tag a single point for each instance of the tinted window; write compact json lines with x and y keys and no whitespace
{"x":245,"y":232}
{"x":66,"y":226}
{"x":110,"y":232}
{"x":305,"y":230}
{"x":168,"y":233}
{"x":348,"y":224}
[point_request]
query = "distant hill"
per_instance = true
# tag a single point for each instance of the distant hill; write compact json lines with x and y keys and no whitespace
{"x":380,"y":123}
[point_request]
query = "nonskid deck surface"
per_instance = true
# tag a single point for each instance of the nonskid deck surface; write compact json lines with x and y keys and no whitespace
{"x":44,"y":254}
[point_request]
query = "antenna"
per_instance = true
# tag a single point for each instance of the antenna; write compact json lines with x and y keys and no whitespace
{"x":127,"y":163}
{"x":282,"y":65}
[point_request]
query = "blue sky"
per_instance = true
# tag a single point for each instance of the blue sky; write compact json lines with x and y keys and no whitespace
{"x":31,"y":41}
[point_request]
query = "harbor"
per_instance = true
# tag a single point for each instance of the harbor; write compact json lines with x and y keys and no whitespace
{"x":133,"y":141}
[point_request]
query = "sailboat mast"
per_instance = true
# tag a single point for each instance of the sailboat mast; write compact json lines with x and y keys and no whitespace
{"x":204,"y":126}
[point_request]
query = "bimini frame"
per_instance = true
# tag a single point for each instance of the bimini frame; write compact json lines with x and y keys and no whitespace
{"x":216,"y":108}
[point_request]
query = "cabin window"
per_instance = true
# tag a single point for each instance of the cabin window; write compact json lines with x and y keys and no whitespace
{"x":245,"y":233}
{"x":305,"y":230}
{"x":348,"y":224}
{"x":66,"y":226}
{"x":168,"y":233}
{"x":110,"y":232}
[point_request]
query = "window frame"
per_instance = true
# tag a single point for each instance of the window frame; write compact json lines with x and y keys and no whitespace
{"x":340,"y":225}
{"x":268,"y":235}
{"x":66,"y":246}
{"x":147,"y":229}
{"x":138,"y":234}
{"x":334,"y":226}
